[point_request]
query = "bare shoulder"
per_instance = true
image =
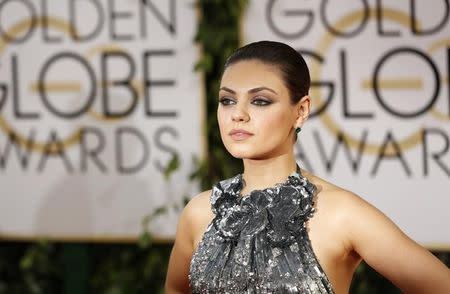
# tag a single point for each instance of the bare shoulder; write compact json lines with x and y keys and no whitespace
{"x":198,"y":207}
{"x":343,"y":211}
{"x":199,"y":201}
{"x":196,"y":216}
{"x":336,"y":200}
{"x":349,"y":215}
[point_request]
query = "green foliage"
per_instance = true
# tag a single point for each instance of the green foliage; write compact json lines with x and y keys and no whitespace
{"x":44,"y":267}
{"x":172,"y":166}
{"x":367,"y":281}
{"x":219,"y":35}
{"x":30,"y":268}
{"x":129,"y":268}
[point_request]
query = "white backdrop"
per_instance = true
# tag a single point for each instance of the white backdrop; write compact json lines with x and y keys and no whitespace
{"x":381,"y":81}
{"x":109,"y":84}
{"x":96,"y":97}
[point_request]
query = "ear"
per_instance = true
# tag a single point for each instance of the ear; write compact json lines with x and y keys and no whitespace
{"x":302,"y":108}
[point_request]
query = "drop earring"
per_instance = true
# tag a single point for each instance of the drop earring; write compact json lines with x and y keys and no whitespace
{"x":297,"y":130}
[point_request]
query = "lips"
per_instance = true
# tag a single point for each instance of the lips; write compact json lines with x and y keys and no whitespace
{"x":240,"y":134}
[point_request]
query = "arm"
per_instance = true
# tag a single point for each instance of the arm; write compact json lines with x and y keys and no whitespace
{"x":178,"y":269}
{"x":390,"y":252}
{"x":193,"y":221}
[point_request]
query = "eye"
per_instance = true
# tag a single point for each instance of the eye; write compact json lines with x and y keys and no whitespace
{"x":226,"y":101}
{"x":261,"y":102}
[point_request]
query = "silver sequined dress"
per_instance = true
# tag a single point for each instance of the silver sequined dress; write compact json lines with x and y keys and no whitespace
{"x":258,"y":243}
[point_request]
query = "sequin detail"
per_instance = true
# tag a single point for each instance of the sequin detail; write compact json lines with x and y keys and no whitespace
{"x":258,"y":243}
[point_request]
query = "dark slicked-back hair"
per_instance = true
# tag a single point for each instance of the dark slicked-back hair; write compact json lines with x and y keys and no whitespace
{"x":293,"y":69}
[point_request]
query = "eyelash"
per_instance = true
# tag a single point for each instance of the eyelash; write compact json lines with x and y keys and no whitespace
{"x":260,"y":102}
{"x":224,"y":101}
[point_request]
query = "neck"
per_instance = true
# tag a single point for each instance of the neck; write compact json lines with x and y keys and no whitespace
{"x":260,"y":174}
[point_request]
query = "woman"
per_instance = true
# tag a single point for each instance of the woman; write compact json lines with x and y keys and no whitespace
{"x":276,"y":228}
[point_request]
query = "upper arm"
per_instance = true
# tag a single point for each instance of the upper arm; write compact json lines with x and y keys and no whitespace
{"x":177,"y":280}
{"x":392,"y":253}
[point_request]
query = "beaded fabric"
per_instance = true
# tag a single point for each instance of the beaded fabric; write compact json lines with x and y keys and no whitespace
{"x":258,"y":243}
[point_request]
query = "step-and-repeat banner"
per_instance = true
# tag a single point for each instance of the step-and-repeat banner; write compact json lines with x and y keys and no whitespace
{"x":381,"y":101}
{"x":96,"y":99}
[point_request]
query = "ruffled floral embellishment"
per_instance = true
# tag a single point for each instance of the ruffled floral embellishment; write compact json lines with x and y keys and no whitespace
{"x":281,"y":210}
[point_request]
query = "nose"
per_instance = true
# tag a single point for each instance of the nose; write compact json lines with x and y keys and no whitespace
{"x":240,"y":114}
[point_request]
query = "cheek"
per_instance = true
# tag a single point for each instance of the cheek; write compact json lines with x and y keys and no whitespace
{"x":221,"y":117}
{"x":223,"y":121}
{"x":276,"y":122}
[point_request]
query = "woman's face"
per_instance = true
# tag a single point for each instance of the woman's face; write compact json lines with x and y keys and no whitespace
{"x":255,"y":105}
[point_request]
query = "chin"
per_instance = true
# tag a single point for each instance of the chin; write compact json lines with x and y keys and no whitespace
{"x":239,"y":151}
{"x":256,"y":151}
{"x":247,"y":152}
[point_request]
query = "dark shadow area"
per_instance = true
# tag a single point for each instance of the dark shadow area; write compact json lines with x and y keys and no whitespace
{"x":55,"y":268}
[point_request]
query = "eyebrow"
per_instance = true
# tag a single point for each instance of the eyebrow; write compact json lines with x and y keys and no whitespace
{"x":251,"y":91}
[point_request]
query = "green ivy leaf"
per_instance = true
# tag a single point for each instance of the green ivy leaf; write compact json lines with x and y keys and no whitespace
{"x":172,"y":166}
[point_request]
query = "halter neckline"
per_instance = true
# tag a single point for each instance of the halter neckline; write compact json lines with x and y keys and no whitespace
{"x":296,"y":174}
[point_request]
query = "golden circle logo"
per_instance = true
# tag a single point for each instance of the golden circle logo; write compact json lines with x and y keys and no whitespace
{"x":60,"y":86}
{"x":14,"y":31}
{"x":445,"y":43}
{"x":324,"y":45}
